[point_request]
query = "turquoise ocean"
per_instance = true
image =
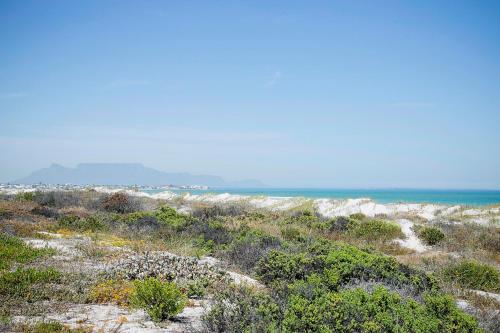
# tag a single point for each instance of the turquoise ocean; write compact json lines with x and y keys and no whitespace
{"x":448,"y":197}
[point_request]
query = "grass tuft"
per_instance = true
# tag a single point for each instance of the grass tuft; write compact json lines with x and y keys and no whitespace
{"x":473,"y":275}
{"x":14,"y":250}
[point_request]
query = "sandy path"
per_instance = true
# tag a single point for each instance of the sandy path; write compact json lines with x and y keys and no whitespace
{"x":412,"y":241}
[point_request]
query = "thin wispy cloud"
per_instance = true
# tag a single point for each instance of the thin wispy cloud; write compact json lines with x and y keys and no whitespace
{"x":12,"y":95}
{"x":275,"y":78}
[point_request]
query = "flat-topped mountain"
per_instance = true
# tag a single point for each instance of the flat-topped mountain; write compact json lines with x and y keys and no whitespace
{"x":123,"y":174}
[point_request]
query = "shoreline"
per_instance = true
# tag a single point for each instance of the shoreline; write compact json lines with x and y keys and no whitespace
{"x":325,"y":207}
{"x":329,"y":208}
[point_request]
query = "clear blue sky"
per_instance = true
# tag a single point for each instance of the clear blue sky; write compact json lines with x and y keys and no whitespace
{"x":294,"y":93}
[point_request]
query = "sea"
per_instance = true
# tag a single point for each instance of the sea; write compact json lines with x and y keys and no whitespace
{"x":384,"y":196}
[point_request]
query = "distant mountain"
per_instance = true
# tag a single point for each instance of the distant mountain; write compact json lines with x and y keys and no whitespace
{"x":123,"y":174}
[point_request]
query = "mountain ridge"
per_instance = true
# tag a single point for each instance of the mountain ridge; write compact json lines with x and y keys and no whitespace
{"x":124,"y":174}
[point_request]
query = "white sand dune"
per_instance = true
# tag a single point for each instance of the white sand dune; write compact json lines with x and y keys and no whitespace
{"x":324,"y":207}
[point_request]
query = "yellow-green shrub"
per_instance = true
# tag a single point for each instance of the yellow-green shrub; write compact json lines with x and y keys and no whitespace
{"x":112,"y":291}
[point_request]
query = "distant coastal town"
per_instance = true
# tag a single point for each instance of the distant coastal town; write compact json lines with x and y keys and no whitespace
{"x":41,"y":187}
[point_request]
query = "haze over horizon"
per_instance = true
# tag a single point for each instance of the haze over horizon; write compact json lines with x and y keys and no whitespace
{"x":313,"y":94}
{"x":93,"y":174}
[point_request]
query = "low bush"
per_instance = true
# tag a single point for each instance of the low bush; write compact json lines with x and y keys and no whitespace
{"x":473,"y":275}
{"x":4,"y":213}
{"x":375,"y":230}
{"x":356,"y":310}
{"x":52,"y":327}
{"x":171,"y":217}
{"x":305,"y":217}
{"x":291,"y":233}
{"x":20,"y":282}
{"x":211,"y":231}
{"x":45,"y":211}
{"x":13,"y":249}
{"x":249,"y":247}
{"x":241,"y":309}
{"x":119,"y":203}
{"x":279,"y":266}
{"x":143,"y":223}
{"x":197,"y":288}
{"x":161,"y":300}
{"x":358,"y":216}
{"x":135,"y":217}
{"x":307,"y":307}
{"x":431,"y":235}
{"x":152,"y":221}
{"x":212,"y":212}
{"x":471,"y":237}
{"x":91,"y":223}
{"x":489,"y":239}
{"x":25,"y":196}
{"x":340,"y":224}
{"x":58,"y":199}
{"x":339,"y":264}
{"x":112,"y":291}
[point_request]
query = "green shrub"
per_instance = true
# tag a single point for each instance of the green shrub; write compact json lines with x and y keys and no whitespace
{"x":305,"y":306}
{"x":91,"y":223}
{"x":249,"y":247}
{"x":279,"y":266}
{"x":170,"y":217}
{"x":358,"y":216}
{"x":4,"y":213}
{"x":161,"y":300}
{"x":356,"y":310}
{"x":306,"y":217}
{"x":212,"y":231}
{"x":206,"y":247}
{"x":196,"y":288}
{"x":134,"y":217}
{"x":20,"y":281}
{"x":48,"y":327}
{"x":52,"y":327}
{"x":68,"y":221}
{"x":215,"y":211}
{"x":241,"y":309}
{"x":473,"y":275}
{"x":13,"y":249}
{"x":25,"y":196}
{"x":291,"y":234}
{"x":341,"y":224}
{"x":375,"y":230}
{"x":339,"y":264}
{"x":431,"y":235}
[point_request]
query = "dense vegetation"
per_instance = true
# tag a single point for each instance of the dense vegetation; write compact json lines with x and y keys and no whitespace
{"x":317,"y":274}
